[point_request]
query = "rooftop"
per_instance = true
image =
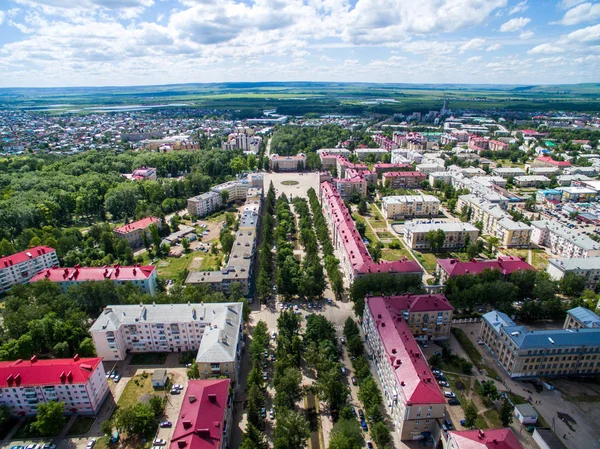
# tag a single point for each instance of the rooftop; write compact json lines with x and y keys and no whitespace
{"x":585,"y":316}
{"x":410,"y":199}
{"x":577,"y":263}
{"x":134,"y":226}
{"x":485,"y":439}
{"x":505,"y":264}
{"x":34,"y":372}
{"x":417,"y":226}
{"x":409,"y":174}
{"x":549,"y":160}
{"x":83,"y":274}
{"x":581,"y":240}
{"x":25,"y":255}
{"x":201,"y":421}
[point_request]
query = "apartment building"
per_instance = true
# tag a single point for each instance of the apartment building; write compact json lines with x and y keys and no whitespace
{"x":381,"y":168}
{"x":204,"y":204}
{"x":567,"y":180}
{"x":566,"y":243}
{"x":508,"y":172}
{"x":581,"y":318}
{"x":544,"y":171}
{"x":576,"y":194}
{"x":413,"y":397}
{"x":347,"y":187}
{"x":205,"y":418}
{"x":497,"y":145}
{"x":547,"y":161}
{"x":377,"y":153}
{"x":19,"y":268}
{"x":403,"y":179}
{"x":496,"y":221}
{"x":481,"y":439}
{"x":212,"y":329}
{"x":506,"y":265}
{"x":415,"y":233}
{"x":143,"y":277}
{"x":287,"y":163}
{"x":410,"y":206}
{"x":236,"y":190}
{"x":551,"y":352}
{"x":248,"y":143}
{"x":134,"y":231}
{"x":79,"y":383}
{"x":532,"y":181}
{"x":355,"y":260}
{"x":240,"y":265}
{"x":588,"y":267}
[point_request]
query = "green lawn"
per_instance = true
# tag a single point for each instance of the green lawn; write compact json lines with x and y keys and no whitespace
{"x":81,"y":425}
{"x":210,"y":262}
{"x":149,"y":358}
{"x":375,"y":212}
{"x":137,"y":387}
{"x":429,"y":260}
{"x":466,"y":344}
{"x":169,"y":268}
{"x":368,"y":233}
{"x":385,"y":235}
{"x":539,"y":258}
{"x":395,"y":254}
{"x":378,"y":224}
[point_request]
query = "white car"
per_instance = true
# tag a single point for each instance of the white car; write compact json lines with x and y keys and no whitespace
{"x":295,"y":306}
{"x":159,"y":442}
{"x":91,"y":443}
{"x":273,"y":335}
{"x":178,"y":387}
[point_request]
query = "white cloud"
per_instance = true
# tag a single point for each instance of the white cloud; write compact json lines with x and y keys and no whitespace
{"x":473,"y":44}
{"x":585,"y":12}
{"x":71,"y":8}
{"x":425,"y":47}
{"x":546,"y":49}
{"x":519,"y":7}
{"x":494,"y":47}
{"x":567,"y":4}
{"x":526,"y":35}
{"x":588,"y":34}
{"x":473,"y":59}
{"x":514,"y":24}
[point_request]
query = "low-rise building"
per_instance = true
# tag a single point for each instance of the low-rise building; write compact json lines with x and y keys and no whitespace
{"x":524,"y":353}
{"x":506,"y":265}
{"x":204,"y":204}
{"x":415,"y":233}
{"x":565,"y":242}
{"x":377,"y":153}
{"x":79,"y":383}
{"x":581,"y":318}
{"x":143,"y":277}
{"x":531,"y":181}
{"x":401,"y":206}
{"x":133,"y":232}
{"x":575,"y":194}
{"x":287,"y":163}
{"x":384,"y":168}
{"x":142,"y":174}
{"x":159,"y":378}
{"x":412,"y":395}
{"x":212,"y":329}
{"x":236,"y":189}
{"x":544,"y":171}
{"x":205,"y":419}
{"x":19,"y":268}
{"x":547,"y":161}
{"x":526,"y":414}
{"x":403,"y":179}
{"x":567,"y":180}
{"x":481,"y":439}
{"x":588,"y":267}
{"x":508,"y":172}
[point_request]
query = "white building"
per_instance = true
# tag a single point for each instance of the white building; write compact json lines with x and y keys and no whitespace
{"x":565,"y":242}
{"x":532,"y":181}
{"x":508,"y":172}
{"x":588,"y":267}
{"x":212,"y":329}
{"x":236,"y":190}
{"x":78,"y":383}
{"x":455,"y":234}
{"x":133,"y":232}
{"x":19,"y":268}
{"x":204,"y":204}
{"x":410,"y":206}
{"x":287,"y":163}
{"x":363,"y":153}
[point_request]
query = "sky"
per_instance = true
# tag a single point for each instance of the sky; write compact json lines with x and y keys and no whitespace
{"x":56,"y":43}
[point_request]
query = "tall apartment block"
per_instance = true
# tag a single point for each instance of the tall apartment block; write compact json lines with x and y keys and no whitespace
{"x":19,"y":268}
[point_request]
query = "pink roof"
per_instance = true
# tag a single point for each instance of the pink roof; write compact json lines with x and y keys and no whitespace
{"x":83,"y":274}
{"x":384,"y":166}
{"x":412,"y":372}
{"x":505,"y":264}
{"x":202,"y":417}
{"x":549,"y":160}
{"x":25,"y":255}
{"x":399,"y":174}
{"x":140,"y":224}
{"x":485,"y":439}
{"x":353,"y":244}
{"x":35,"y":372}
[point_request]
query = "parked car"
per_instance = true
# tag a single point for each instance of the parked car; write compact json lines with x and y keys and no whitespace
{"x":343,"y":370}
{"x":91,"y":443}
{"x":263,"y":412}
{"x":425,"y":344}
{"x":117,"y":378}
{"x":443,"y":383}
{"x":361,"y":415}
{"x":449,"y":424}
{"x":113,"y":374}
{"x":369,"y":445}
{"x":265,"y":375}
{"x":165,"y":424}
{"x":343,"y":340}
{"x":449,"y":394}
{"x":272,"y":414}
{"x":364,"y":426}
{"x":354,"y":382}
{"x":453,"y":401}
{"x":159,"y":442}
{"x":436,"y":371}
{"x":175,"y":391}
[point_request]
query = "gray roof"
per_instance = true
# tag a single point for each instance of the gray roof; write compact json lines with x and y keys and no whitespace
{"x":498,"y":320}
{"x":397,"y":199}
{"x":159,"y":375}
{"x":550,"y":438}
{"x":219,"y":341}
{"x":585,"y":316}
{"x":415,"y":226}
{"x":576,"y":264}
{"x":205,"y":196}
{"x":527,"y":409}
{"x":581,"y":240}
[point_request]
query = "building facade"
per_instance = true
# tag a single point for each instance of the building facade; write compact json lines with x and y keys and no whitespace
{"x":456,"y":234}
{"x":413,"y":397}
{"x":287,"y":163}
{"x":133,"y":232}
{"x":588,"y":267}
{"x":79,"y":383}
{"x":403,"y":179}
{"x":204,"y":204}
{"x":410,"y":206}
{"x":506,"y":265}
{"x":19,"y":268}
{"x":143,"y":277}
{"x":565,"y":242}
{"x":555,"y":352}
{"x":212,"y":329}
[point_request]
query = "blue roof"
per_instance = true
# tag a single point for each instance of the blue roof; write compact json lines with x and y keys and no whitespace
{"x":585,"y":317}
{"x":555,"y":338}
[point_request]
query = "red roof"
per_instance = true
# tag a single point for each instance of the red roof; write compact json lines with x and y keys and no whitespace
{"x":505,"y":264}
{"x":202,"y":417}
{"x":357,"y":252}
{"x":140,"y":224}
{"x":35,"y":372}
{"x":399,"y":174}
{"x":412,"y":372}
{"x":549,"y":160}
{"x":82,"y":274}
{"x":383,"y":166}
{"x":25,"y":255}
{"x":489,"y":438}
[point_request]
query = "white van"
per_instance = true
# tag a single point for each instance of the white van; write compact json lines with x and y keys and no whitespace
{"x":449,"y":394}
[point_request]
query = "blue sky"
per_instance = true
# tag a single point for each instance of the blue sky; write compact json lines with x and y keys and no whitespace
{"x":128,"y":42}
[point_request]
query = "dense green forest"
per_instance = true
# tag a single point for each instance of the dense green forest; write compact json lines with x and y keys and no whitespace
{"x":49,"y":200}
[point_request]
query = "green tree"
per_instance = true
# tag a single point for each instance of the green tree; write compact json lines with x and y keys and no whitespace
{"x":572,"y":284}
{"x":506,"y":413}
{"x":224,"y":196}
{"x":346,"y":434}
{"x":185,"y":244}
{"x":157,"y":405}
{"x":236,"y":292}
{"x":288,"y":390}
{"x":470,"y":414}
{"x":193,"y":372}
{"x":363,"y":207}
{"x":291,"y":430}
{"x":50,"y":418}
{"x":381,"y":435}
{"x":489,"y":390}
{"x":6,"y":248}
{"x":5,"y":414}
{"x":238,"y":164}
{"x":87,"y":348}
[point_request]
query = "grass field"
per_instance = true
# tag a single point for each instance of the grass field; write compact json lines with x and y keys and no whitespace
{"x":368,"y":233}
{"x":539,"y":257}
{"x":395,"y":254}
{"x":137,"y":387}
{"x":385,"y":235}
{"x":375,"y":212}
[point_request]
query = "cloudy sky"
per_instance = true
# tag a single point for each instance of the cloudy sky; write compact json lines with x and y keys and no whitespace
{"x":129,"y":42}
